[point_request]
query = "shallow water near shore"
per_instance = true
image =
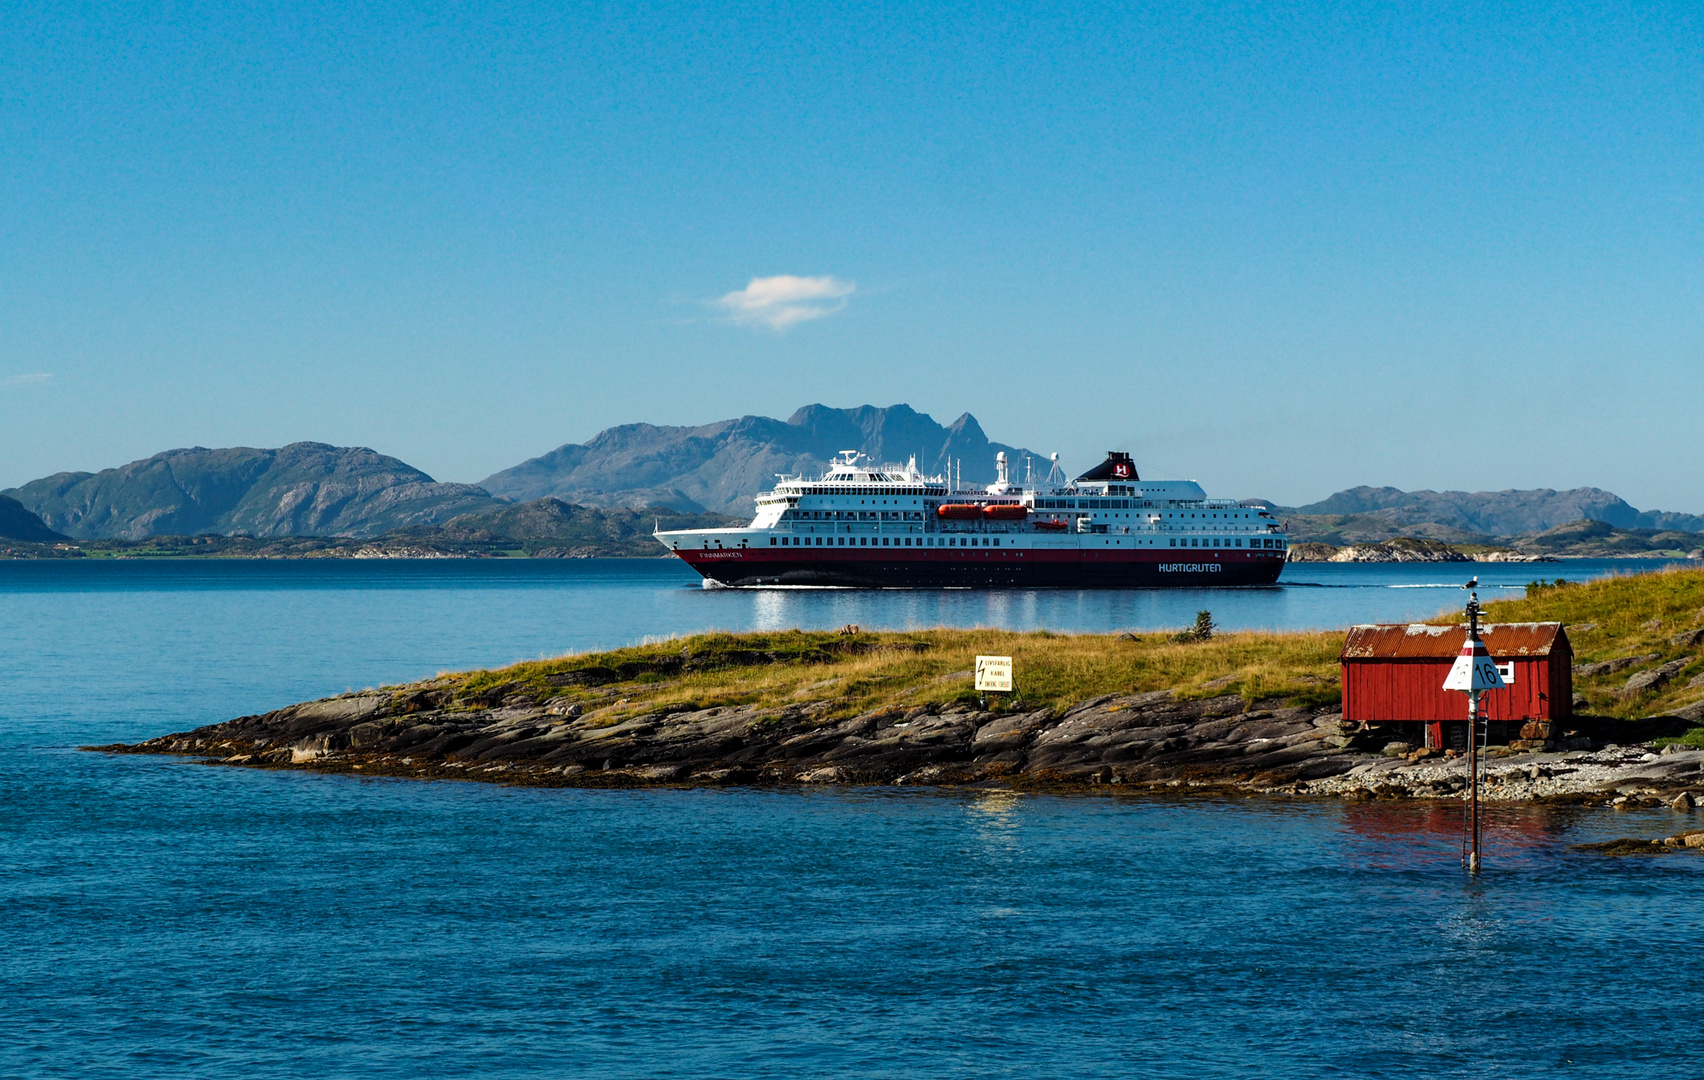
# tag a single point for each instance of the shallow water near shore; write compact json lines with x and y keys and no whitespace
{"x":168,"y":919}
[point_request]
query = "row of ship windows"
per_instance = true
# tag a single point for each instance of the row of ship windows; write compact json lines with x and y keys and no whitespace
{"x":853,"y":491}
{"x":909,"y":515}
{"x":852,"y":515}
{"x":897,"y":541}
{"x":1040,"y":504}
{"x":985,"y":541}
{"x":1254,"y":542}
{"x":1120,"y":504}
{"x":1063,"y":504}
{"x":1089,"y":504}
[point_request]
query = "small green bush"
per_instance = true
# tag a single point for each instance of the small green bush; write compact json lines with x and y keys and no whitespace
{"x":1201,"y":631}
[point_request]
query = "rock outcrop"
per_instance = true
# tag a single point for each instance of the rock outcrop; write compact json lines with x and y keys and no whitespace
{"x":1311,"y":552}
{"x":1610,"y":667}
{"x":1654,"y":679}
{"x":1136,"y":738}
{"x":1143,"y":741}
{"x":1404,"y":549}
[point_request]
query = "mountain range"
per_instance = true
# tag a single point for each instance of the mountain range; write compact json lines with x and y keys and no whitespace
{"x":304,"y":489}
{"x":313,"y":489}
{"x":719,"y":467}
{"x":1464,"y":516}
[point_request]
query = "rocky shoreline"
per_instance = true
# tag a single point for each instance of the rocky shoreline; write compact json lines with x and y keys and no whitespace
{"x":1154,"y":742}
{"x":1404,"y":549}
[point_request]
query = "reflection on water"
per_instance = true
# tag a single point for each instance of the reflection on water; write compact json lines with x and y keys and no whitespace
{"x":1311,"y":596}
{"x":999,"y":805}
{"x":1407,"y":834}
{"x":1086,"y":610}
{"x":487,"y":609}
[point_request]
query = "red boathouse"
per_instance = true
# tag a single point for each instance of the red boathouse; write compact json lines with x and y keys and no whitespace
{"x":1395,"y":675}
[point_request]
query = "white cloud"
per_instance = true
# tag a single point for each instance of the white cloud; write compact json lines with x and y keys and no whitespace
{"x":780,"y":301}
{"x":12,"y":382}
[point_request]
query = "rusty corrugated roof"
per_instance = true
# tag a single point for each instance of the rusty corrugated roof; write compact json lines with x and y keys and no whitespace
{"x":1420,"y":642}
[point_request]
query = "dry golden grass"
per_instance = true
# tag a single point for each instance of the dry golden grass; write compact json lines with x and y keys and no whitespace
{"x":872,"y":671}
{"x":1633,"y":615}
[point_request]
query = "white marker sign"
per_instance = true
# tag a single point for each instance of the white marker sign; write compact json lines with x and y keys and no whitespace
{"x":994,"y":673}
{"x":1474,"y":669}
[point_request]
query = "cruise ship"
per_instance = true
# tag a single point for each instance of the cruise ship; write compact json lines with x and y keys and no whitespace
{"x":861,"y":525}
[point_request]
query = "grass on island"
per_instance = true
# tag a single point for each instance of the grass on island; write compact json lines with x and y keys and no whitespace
{"x":1652,"y":614}
{"x":868,"y":671}
{"x":1634,"y":615}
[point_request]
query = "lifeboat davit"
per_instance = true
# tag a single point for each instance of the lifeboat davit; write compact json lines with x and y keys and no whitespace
{"x":1005,"y":512}
{"x":958,"y":511}
{"x":1054,"y":525}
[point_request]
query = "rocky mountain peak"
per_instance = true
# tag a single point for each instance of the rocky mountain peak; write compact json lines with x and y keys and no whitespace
{"x":720,"y":466}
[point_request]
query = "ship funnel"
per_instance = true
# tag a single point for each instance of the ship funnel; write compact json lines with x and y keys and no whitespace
{"x":1000,"y":468}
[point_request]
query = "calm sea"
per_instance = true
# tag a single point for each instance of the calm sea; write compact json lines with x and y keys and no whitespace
{"x":162,"y":919}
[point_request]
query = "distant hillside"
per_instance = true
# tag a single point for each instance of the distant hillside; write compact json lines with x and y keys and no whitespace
{"x":721,"y":466}
{"x":545,"y":528}
{"x":1344,"y":529}
{"x":17,"y":523}
{"x":1461,"y":516}
{"x":302,"y":489}
{"x":1575,"y":540}
{"x":550,"y":528}
{"x":1601,"y":540}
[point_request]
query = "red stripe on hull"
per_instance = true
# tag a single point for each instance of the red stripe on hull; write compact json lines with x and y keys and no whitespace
{"x":986,"y":567}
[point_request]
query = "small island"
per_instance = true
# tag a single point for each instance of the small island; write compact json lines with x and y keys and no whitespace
{"x":1193,"y":711}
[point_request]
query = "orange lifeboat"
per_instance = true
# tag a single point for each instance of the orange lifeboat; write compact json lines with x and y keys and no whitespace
{"x":1055,"y":525}
{"x":1005,"y":512}
{"x":958,"y":511}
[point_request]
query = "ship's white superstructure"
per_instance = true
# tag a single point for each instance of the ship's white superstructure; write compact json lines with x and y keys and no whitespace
{"x":863,"y":524}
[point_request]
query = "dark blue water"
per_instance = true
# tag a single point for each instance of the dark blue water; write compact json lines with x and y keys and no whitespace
{"x":159,"y":918}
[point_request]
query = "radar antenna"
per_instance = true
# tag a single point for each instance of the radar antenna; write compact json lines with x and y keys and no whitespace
{"x":1056,"y":475}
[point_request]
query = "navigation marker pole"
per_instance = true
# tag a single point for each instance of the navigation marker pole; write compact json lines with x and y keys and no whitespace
{"x":1473,"y":781}
{"x":1474,"y":672}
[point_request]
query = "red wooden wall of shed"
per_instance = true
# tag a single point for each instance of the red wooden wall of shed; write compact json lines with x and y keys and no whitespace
{"x":1385,"y":690}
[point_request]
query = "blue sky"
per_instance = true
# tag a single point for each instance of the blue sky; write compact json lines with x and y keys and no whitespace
{"x":1283,"y":249}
